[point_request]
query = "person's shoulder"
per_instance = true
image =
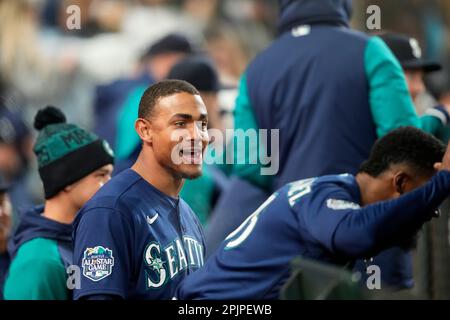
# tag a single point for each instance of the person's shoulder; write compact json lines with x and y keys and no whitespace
{"x":120,"y":184}
{"x":339,"y":183}
{"x":187,"y":210}
{"x":37,"y":256}
{"x":343,"y":185}
{"x":354,"y":34}
{"x":338,"y":180}
{"x":111,"y":200}
{"x":36,"y":272}
{"x":113,"y":191}
{"x":39,"y":248}
{"x":334,"y":191}
{"x":282,"y":47}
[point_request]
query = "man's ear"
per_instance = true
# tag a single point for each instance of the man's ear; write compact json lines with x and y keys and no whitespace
{"x":143,"y":129}
{"x":400,"y":180}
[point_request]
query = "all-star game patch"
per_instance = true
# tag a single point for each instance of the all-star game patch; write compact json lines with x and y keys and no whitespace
{"x":97,"y":263}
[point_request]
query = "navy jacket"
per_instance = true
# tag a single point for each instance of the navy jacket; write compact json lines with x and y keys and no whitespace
{"x":303,"y":93}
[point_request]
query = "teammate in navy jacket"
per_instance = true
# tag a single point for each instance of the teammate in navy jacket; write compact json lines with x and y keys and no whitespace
{"x":334,"y":219}
{"x":331,"y":91}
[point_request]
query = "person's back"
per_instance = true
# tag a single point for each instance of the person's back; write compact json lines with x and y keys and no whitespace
{"x":333,"y":219}
{"x":330,"y":90}
{"x":318,"y":99}
{"x":252,"y":265}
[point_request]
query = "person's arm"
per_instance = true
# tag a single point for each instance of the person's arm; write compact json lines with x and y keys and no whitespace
{"x":37,"y":279}
{"x":103,"y":240}
{"x":244,"y":119}
{"x":390,"y":102}
{"x":354,"y":232}
{"x":127,"y":140}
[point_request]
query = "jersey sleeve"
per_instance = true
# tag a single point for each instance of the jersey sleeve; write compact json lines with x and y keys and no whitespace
{"x":103,"y":250}
{"x":127,"y":139}
{"x":357,"y":232}
{"x":244,"y":120}
{"x":37,"y":279}
{"x":390,"y":102}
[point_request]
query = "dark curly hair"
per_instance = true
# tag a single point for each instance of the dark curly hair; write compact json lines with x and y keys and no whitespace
{"x":407,"y":145}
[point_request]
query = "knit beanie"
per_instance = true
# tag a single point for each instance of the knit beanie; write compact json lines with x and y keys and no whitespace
{"x":65,"y":152}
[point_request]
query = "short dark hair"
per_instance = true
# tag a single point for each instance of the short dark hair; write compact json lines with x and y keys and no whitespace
{"x":407,"y":145}
{"x":160,"y":90}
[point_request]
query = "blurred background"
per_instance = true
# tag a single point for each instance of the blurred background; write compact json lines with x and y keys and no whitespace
{"x":92,"y":72}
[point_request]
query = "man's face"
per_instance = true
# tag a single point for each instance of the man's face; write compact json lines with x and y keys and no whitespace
{"x":179,"y":134}
{"x":396,"y":181}
{"x":414,"y":182}
{"x":406,"y":181}
{"x":414,"y":79}
{"x":9,"y":159}
{"x":83,"y":190}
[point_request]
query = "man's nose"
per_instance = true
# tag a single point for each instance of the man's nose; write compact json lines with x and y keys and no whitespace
{"x":196,"y":132}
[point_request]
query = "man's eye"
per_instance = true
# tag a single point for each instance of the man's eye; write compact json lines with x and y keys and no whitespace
{"x":180,"y":123}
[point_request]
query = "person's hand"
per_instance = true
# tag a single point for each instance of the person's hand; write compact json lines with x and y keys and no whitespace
{"x":445,"y":164}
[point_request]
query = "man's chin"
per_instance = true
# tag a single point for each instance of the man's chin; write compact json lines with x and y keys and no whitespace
{"x":191,"y":174}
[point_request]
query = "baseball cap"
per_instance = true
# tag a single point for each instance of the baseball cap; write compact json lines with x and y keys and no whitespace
{"x":198,"y":71}
{"x":408,"y":52}
{"x":12,"y":127}
{"x":171,"y":43}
